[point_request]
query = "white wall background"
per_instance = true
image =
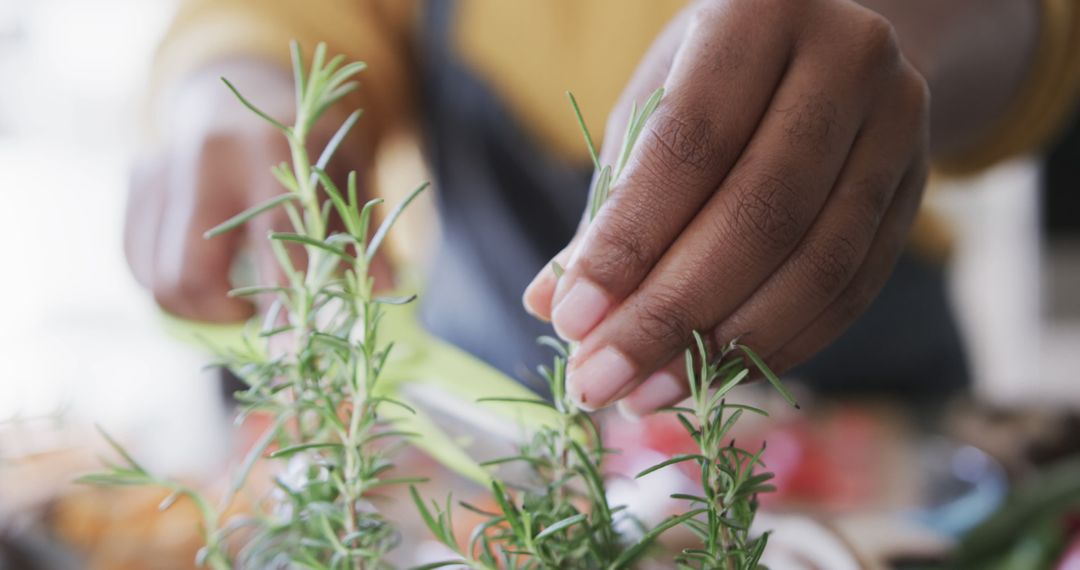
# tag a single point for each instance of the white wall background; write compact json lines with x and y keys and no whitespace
{"x":76,"y":332}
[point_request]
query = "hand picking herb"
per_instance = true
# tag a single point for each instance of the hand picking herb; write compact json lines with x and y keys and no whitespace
{"x":330,"y":446}
{"x":562,"y":518}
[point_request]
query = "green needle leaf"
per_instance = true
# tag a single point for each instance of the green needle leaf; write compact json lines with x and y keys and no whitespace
{"x":671,"y":461}
{"x":511,"y":459}
{"x":398,"y":481}
{"x":331,"y":189}
{"x":298,"y":71}
{"x":425,"y":513}
{"x":335,"y":141}
{"x":119,"y":449}
{"x":257,"y":110}
{"x":584,"y":130}
{"x":557,"y":269}
{"x":554,"y":344}
{"x":531,"y":401}
{"x":631,"y":554}
{"x":243,"y":217}
{"x":635,"y":126}
{"x":443,"y":564}
{"x":727,"y":386}
{"x":255,"y":290}
{"x":380,"y":235}
{"x":558,"y":526}
{"x":345,"y":73}
{"x":308,"y":241}
{"x":769,"y":375}
{"x":294,"y":449}
{"x":600,"y":192}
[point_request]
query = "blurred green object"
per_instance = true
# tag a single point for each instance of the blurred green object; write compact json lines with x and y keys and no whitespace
{"x":440,"y":381}
{"x":1030,"y":531}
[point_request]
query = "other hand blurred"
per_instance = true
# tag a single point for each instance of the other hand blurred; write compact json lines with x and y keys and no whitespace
{"x":767,"y":200}
{"x":213,"y":161}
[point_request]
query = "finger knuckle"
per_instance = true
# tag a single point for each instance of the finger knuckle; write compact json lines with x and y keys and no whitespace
{"x":854,"y":302}
{"x":704,"y":14}
{"x":849,"y":309}
{"x":915,"y":94}
{"x":686,"y":142}
{"x":663,"y":319}
{"x":775,"y":9}
{"x":620,"y":251}
{"x":876,"y":39}
{"x":766,"y":213}
{"x":735,"y":329}
{"x":830,"y":263}
{"x":809,"y":123}
{"x":871,"y":196}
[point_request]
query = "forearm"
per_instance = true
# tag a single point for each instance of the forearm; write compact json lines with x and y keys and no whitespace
{"x":974,"y":55}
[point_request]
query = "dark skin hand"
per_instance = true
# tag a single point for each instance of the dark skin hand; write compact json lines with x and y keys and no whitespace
{"x":768,"y":199}
{"x":771,"y":193}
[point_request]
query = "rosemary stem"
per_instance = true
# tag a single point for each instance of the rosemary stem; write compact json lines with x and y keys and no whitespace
{"x":302,"y":170}
{"x":725,"y":546}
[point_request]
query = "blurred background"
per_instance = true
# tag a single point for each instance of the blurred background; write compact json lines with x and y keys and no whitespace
{"x":81,"y":336}
{"x":81,"y":343}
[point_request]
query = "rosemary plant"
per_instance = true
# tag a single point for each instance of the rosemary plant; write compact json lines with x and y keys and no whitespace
{"x":331,"y":448}
{"x":329,"y":441}
{"x":729,"y":483}
{"x":565,"y":521}
{"x":561,"y":518}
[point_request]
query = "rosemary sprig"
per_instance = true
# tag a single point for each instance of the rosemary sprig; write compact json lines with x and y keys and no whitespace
{"x":564,"y":519}
{"x":730,"y":480}
{"x":729,"y":484}
{"x":561,"y":518}
{"x":558,"y":519}
{"x":331,"y":449}
{"x":131,"y":473}
{"x":606,"y":175}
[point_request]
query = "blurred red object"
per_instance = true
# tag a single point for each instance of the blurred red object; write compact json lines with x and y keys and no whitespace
{"x":833,"y":461}
{"x":1071,"y":559}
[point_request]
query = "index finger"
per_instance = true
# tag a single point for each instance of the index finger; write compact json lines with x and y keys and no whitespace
{"x":685,"y":152}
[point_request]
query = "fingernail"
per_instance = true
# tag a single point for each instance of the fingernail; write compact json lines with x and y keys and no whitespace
{"x":527,"y":297}
{"x":627,"y":412}
{"x":580,"y":310}
{"x":595,"y":382}
{"x":657,"y":391}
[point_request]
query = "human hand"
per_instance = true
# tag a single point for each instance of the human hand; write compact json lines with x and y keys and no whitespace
{"x":767,"y":199}
{"x":215,"y":163}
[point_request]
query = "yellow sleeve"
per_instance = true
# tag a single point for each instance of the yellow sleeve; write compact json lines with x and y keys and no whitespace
{"x":377,"y":32}
{"x":1046,"y":101}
